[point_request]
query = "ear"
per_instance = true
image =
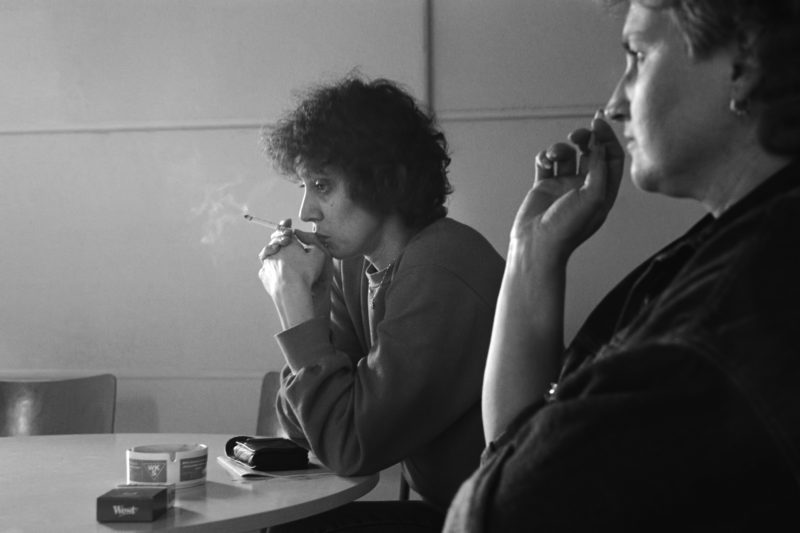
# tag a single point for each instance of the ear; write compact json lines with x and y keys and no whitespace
{"x":745,"y":69}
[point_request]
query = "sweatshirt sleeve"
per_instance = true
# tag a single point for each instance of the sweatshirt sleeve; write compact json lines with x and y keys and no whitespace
{"x":360,"y":413}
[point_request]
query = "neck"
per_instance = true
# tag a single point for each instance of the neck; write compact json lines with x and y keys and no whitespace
{"x":738,"y":166}
{"x":739,"y":177}
{"x":394,"y":238}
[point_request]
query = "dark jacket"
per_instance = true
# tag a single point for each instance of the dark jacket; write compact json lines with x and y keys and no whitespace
{"x":678,"y":407}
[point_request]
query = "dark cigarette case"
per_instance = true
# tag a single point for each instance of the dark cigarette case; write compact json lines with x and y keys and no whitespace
{"x":267,"y":453}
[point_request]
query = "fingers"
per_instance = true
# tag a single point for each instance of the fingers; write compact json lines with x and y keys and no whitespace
{"x":596,"y":182}
{"x":604,"y":134}
{"x":558,"y":160}
{"x":603,"y":131}
{"x":582,"y":138}
{"x":614,"y":153}
{"x":564,"y":160}
{"x":279,"y":238}
{"x":575,"y":160}
{"x":543,"y":168}
{"x":285,"y":235}
{"x":268,"y":251}
{"x":306,"y":239}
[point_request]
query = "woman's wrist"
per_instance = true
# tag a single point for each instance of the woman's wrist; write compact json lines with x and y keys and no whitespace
{"x":293,"y":304}
{"x":527,"y":258}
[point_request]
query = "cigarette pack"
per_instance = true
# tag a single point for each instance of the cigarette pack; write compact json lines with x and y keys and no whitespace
{"x":134,"y":503}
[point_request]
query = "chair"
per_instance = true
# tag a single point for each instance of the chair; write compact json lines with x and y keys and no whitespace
{"x":267,"y":424}
{"x":405,"y":490}
{"x":60,"y":406}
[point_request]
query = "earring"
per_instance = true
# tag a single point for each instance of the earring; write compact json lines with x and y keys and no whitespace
{"x":740,"y":108}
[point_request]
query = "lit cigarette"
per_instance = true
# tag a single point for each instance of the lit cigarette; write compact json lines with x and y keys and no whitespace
{"x":272,"y":225}
{"x":260,"y":221}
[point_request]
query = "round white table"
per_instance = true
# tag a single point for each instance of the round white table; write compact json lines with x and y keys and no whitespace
{"x":51,"y":483}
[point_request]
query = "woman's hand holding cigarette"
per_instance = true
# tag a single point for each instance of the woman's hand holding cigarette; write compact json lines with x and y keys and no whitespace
{"x":296,"y":272}
{"x":285,"y":235}
{"x":574,"y":188}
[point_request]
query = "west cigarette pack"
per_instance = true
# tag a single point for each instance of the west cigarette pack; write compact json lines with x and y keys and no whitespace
{"x":134,"y":504}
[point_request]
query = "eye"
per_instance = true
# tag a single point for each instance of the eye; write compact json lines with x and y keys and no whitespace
{"x":321,"y":186}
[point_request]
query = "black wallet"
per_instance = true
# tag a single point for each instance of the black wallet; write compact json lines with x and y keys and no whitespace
{"x":267,"y":453}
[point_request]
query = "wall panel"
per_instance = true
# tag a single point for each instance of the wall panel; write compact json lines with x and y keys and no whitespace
{"x":128,"y":153}
{"x":167,"y":63}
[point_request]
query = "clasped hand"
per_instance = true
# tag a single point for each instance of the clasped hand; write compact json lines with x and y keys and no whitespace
{"x":296,"y":265}
{"x":574,"y":188}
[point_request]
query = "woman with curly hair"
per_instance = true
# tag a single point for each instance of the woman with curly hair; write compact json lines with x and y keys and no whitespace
{"x":386,"y":316}
{"x":676,"y":407}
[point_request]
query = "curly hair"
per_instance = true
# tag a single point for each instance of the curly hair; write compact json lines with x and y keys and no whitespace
{"x":772,"y":29}
{"x":391,"y":152}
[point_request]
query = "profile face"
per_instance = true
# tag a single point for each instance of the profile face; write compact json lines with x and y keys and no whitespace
{"x":345,"y":228}
{"x":674,"y":106}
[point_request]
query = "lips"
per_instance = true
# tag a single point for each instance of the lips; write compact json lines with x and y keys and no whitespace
{"x":324,"y":239}
{"x":629,"y":142}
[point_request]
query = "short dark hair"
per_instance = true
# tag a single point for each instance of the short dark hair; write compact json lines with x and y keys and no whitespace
{"x":393,"y":155}
{"x":709,"y":25}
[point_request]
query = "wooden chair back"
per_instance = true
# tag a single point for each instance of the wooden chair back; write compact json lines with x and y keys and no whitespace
{"x":59,"y":406}
{"x":268,"y":424}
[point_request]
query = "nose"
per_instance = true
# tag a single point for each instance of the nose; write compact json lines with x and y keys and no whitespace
{"x":618,"y":107}
{"x":309,"y":209}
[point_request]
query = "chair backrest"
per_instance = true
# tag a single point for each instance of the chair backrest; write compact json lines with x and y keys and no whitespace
{"x":268,"y":424}
{"x":60,"y":406}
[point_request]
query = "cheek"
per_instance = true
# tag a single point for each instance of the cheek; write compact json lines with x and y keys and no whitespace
{"x":649,"y":109}
{"x":656,"y":116}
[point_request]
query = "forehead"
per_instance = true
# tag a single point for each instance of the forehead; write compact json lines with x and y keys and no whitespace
{"x":649,"y":22}
{"x":305,"y":173}
{"x":307,"y":170}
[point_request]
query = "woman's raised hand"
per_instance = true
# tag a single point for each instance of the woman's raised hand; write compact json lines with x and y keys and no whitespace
{"x":574,"y":188}
{"x":296,"y":268}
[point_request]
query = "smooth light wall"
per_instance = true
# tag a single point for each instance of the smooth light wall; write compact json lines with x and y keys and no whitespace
{"x":128,"y":151}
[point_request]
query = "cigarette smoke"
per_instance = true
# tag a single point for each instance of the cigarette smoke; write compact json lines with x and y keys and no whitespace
{"x":220,"y":208}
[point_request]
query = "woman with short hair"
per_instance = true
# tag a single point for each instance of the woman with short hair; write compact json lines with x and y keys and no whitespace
{"x":676,"y":407}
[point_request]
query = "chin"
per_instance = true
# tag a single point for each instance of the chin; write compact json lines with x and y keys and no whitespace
{"x":645,"y":185}
{"x":647,"y":176}
{"x":643,"y":179}
{"x":340,"y":254}
{"x":659,"y":183}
